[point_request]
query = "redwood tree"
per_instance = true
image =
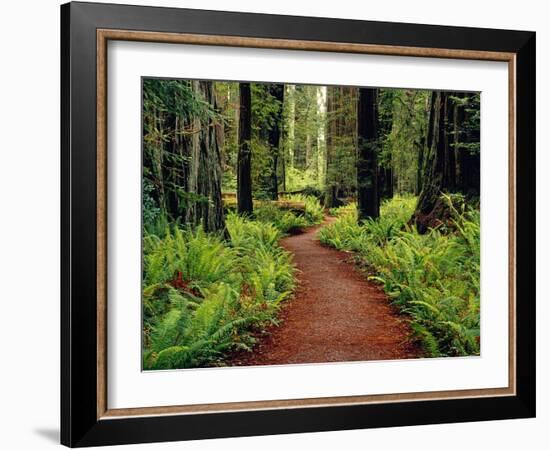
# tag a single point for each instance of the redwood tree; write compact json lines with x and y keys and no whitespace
{"x":274,"y":137}
{"x":434,"y":175}
{"x":244,"y":157}
{"x":331,"y":199}
{"x":204,"y":181}
{"x":368,"y":202}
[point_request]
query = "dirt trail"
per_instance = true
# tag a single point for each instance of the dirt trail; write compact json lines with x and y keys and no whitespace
{"x":336,"y":314}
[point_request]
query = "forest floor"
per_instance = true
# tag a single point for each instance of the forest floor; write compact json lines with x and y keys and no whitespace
{"x":335,"y":315}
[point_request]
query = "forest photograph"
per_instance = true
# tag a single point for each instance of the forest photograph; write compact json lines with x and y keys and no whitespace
{"x":292,"y":224}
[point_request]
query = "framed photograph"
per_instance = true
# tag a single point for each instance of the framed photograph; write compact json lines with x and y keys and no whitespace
{"x":277,"y":224}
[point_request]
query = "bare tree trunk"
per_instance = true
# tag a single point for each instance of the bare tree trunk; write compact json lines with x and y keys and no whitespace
{"x":244,"y":179}
{"x":368,"y":202}
{"x":204,"y":183}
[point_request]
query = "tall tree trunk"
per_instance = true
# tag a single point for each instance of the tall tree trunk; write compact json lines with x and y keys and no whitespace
{"x":321,"y":135}
{"x":175,"y":166}
{"x":385,"y":182}
{"x":425,"y":214}
{"x":308,"y":149}
{"x":283,"y":171}
{"x":205,"y":169}
{"x":277,"y":91}
{"x":158,"y":162}
{"x":449,"y":179}
{"x":340,"y":140}
{"x":291,"y":122}
{"x":426,"y":135}
{"x":420,"y":168}
{"x":458,"y":117}
{"x":350,"y":117}
{"x":331,"y":199}
{"x":244,"y":157}
{"x":368,"y":202}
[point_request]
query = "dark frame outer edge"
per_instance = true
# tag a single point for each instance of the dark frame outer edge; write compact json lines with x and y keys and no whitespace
{"x":525,"y":223}
{"x":65,"y":229}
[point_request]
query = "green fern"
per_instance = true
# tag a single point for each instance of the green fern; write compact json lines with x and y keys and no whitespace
{"x":433,"y":277}
{"x":202,"y":295}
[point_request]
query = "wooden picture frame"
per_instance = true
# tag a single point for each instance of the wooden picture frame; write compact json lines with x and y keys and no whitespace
{"x":85,"y":417}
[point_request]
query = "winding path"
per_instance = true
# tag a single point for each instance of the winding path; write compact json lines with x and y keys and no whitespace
{"x":336,"y":314}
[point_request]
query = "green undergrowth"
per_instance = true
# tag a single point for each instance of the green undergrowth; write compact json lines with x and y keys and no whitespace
{"x":433,"y":277}
{"x":313,"y":211}
{"x":289,"y":222}
{"x":203,"y":295}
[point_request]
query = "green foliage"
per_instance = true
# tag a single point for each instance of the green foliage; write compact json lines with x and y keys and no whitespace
{"x":227,"y":96}
{"x":347,"y":234}
{"x":341,"y":155}
{"x":262,"y":160}
{"x":314,"y":211}
{"x":468,"y":134}
{"x":432,"y":277}
{"x":285,"y":221}
{"x":188,"y":338}
{"x":300,"y":179}
{"x":403,"y":127}
{"x":344,"y":210}
{"x":151,"y":210}
{"x":200,"y":257}
{"x":293,"y":220}
{"x":266,"y":111}
{"x":265,"y":107}
{"x":309,"y":119}
{"x":202,"y":295}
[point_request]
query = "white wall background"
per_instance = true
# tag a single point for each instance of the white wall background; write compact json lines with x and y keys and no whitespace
{"x":29,"y":224}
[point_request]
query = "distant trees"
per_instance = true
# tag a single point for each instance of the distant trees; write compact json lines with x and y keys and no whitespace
{"x":403,"y":117}
{"x":244,"y":180}
{"x":385,"y":126}
{"x":331,"y":187}
{"x":341,"y":144}
{"x":277,"y":92}
{"x":289,"y":114}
